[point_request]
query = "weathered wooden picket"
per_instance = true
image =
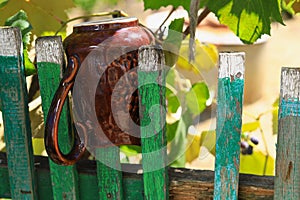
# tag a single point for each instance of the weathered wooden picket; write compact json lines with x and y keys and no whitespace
{"x":25,"y":176}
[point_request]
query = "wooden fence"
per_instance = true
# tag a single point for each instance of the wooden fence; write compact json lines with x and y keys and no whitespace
{"x":25,"y":176}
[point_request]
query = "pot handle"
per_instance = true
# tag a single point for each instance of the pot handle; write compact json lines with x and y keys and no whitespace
{"x":51,"y":128}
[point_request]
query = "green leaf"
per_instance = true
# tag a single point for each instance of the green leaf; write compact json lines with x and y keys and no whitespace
{"x":275,"y":116}
{"x":173,"y":102}
{"x":42,"y":14}
{"x":208,"y":140}
{"x":130,"y":150}
{"x":29,"y":66}
{"x":172,"y":43}
{"x":21,"y":15}
{"x":257,"y":163}
{"x":3,"y":3}
{"x":196,"y":98}
{"x":248,"y":19}
{"x":155,"y":5}
{"x":193,"y":147}
{"x":20,"y":20}
{"x":178,"y":145}
{"x":38,"y":146}
{"x":171,"y":130}
{"x":86,"y":5}
{"x":251,"y":126}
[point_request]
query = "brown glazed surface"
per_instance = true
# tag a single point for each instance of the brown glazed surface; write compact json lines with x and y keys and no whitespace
{"x":123,"y":35}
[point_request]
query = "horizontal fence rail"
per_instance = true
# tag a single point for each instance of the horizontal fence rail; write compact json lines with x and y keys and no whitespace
{"x":185,"y":184}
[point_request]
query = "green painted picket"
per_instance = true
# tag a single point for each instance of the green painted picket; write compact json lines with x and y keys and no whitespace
{"x":16,"y":115}
{"x":229,"y":122}
{"x":29,"y":176}
{"x":49,"y":54}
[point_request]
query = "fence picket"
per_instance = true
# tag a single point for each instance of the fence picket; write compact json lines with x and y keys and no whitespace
{"x":151,"y":78}
{"x":229,"y":122}
{"x":109,"y":173}
{"x":49,"y":53}
{"x":14,"y":102}
{"x":287,"y":179}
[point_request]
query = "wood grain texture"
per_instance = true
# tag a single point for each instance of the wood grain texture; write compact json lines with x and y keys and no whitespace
{"x":49,"y":53}
{"x":151,"y":79}
{"x":109,"y":173}
{"x":14,"y":101}
{"x":287,"y":180}
{"x":229,"y":121}
{"x":185,"y":184}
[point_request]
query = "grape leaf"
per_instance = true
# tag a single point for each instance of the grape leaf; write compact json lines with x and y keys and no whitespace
{"x":196,"y":98}
{"x":193,"y":147}
{"x":250,"y":126}
{"x":3,"y":3}
{"x":256,"y":163}
{"x":86,"y":5}
{"x":29,"y":66}
{"x":178,"y":144}
{"x":275,"y":116}
{"x":173,"y":102}
{"x":20,"y":20}
{"x":248,"y":19}
{"x":130,"y":150}
{"x":44,"y":15}
{"x":208,"y":140}
{"x":155,"y":5}
{"x":172,"y":43}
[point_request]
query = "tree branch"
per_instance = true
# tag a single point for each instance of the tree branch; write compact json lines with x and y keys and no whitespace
{"x":202,"y":16}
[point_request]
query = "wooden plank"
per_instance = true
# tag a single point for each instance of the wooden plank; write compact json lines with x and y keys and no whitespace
{"x":185,"y":184}
{"x":109,"y":173}
{"x":229,"y":121}
{"x":151,"y":79}
{"x":287,"y":180}
{"x":49,"y":53}
{"x":14,"y":101}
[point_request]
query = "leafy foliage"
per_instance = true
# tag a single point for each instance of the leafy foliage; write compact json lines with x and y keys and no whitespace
{"x":258,"y":163}
{"x":155,"y":5}
{"x":248,"y":19}
{"x":275,"y":116}
{"x":206,"y":57}
{"x":3,"y":3}
{"x":20,"y":20}
{"x":87,"y":5}
{"x":43,"y":15}
{"x":196,"y":98}
{"x":172,"y":43}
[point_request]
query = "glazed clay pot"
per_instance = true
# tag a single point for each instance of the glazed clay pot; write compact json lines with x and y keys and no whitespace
{"x":117,"y":38}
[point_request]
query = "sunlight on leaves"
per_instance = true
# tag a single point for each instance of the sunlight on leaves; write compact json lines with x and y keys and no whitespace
{"x":155,"y":5}
{"x":196,"y":98}
{"x":172,"y":43}
{"x":208,"y":140}
{"x":275,"y":116}
{"x":251,"y":126}
{"x":257,"y":163}
{"x":44,"y":15}
{"x":248,"y":19}
{"x":193,"y":147}
{"x":130,"y":150}
{"x":206,"y":57}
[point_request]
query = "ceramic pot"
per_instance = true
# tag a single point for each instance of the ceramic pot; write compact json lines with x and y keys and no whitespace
{"x":117,"y":38}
